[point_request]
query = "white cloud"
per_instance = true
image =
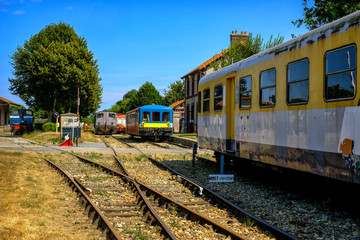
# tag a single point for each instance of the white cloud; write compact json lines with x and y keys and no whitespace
{"x":19,"y":12}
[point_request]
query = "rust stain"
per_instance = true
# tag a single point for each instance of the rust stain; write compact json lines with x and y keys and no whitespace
{"x":346,"y":146}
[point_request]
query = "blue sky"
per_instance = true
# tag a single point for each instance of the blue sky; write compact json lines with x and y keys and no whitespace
{"x":139,"y":41}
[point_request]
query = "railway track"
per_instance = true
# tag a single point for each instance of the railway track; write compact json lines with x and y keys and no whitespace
{"x":189,"y":210}
{"x":117,"y":196}
{"x":189,"y":194}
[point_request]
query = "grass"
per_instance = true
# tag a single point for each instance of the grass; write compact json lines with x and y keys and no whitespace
{"x":137,"y":234}
{"x":55,"y":138}
{"x":249,"y":222}
{"x":187,"y":135}
{"x":35,"y":202}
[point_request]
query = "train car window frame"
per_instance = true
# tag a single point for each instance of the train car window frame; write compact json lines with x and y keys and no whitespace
{"x":165,"y":117}
{"x":206,"y":101}
{"x":156,"y":116}
{"x":340,"y":72}
{"x":99,"y":115}
{"x":199,"y":102}
{"x":147,"y":115}
{"x":218,"y":99}
{"x":112,"y":115}
{"x":267,"y":87}
{"x":28,"y":112}
{"x":297,"y":81}
{"x":244,"y":92}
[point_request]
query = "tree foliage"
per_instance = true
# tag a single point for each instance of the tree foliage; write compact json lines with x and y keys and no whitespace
{"x":175,"y":92}
{"x":325,"y":11}
{"x":49,"y":68}
{"x":249,"y":47}
{"x":146,"y":95}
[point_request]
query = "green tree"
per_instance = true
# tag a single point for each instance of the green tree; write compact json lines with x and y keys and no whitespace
{"x":130,"y":94}
{"x":249,"y":47}
{"x":146,"y":95}
{"x":122,"y":106}
{"x":175,"y":92}
{"x":50,"y":67}
{"x":325,"y":11}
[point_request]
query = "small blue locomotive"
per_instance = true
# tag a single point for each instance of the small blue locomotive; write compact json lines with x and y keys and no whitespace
{"x":21,"y":120}
{"x":151,"y":121}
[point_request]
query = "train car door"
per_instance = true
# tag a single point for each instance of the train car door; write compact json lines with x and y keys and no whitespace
{"x":230,"y":113}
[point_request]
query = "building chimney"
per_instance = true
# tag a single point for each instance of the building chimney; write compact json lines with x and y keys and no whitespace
{"x":236,"y":37}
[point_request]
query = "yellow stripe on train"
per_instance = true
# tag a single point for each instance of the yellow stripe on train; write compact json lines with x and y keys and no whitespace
{"x":155,"y":125}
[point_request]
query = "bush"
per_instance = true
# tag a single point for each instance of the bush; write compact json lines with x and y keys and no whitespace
{"x":49,"y":126}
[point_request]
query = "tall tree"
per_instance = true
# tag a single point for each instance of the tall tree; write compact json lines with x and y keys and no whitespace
{"x":325,"y":11}
{"x":175,"y":92}
{"x":50,"y":67}
{"x":122,"y":106}
{"x":249,"y":47}
{"x":146,"y":95}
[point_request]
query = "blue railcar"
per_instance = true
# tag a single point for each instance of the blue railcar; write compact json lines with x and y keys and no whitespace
{"x":151,"y":121}
{"x":21,"y":120}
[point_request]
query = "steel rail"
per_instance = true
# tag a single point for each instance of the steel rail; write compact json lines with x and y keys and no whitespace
{"x":227,"y":204}
{"x":93,"y":211}
{"x":280,"y":234}
{"x":121,"y":166}
{"x":193,"y":215}
{"x":143,"y":202}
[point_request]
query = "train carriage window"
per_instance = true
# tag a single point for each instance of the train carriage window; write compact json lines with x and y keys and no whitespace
{"x":156,"y":116}
{"x":112,"y":115}
{"x":28,"y":113}
{"x":146,"y":117}
{"x":166,"y":117}
{"x":218,"y":97}
{"x":14,"y":112}
{"x":199,"y":102}
{"x":340,"y":73}
{"x":267,"y":88}
{"x":298,"y":82}
{"x":245,"y":92}
{"x":99,"y":115}
{"x":206,"y":101}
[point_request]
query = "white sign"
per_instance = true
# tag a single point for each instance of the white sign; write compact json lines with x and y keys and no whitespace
{"x":221,"y":177}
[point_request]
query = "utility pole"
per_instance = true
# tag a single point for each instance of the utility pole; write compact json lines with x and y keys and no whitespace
{"x":78,"y":118}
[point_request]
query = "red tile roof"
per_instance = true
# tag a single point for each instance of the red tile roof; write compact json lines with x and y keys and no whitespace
{"x":217,"y":56}
{"x":175,"y":104}
{"x":8,"y":101}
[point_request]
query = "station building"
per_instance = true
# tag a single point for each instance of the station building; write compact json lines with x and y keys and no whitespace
{"x":5,"y":112}
{"x":192,"y":81}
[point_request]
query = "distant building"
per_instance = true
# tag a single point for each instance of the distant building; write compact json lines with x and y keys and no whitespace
{"x":178,"y":115}
{"x":5,"y":112}
{"x":192,"y":80}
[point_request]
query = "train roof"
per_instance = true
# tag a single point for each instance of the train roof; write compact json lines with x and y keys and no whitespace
{"x":338,"y":26}
{"x":151,"y":107}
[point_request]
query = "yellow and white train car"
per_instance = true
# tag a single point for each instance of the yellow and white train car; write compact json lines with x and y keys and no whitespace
{"x":295,"y":105}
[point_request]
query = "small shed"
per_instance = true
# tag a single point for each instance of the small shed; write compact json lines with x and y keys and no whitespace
{"x":178,"y":117}
{"x":69,"y":125}
{"x":5,"y":112}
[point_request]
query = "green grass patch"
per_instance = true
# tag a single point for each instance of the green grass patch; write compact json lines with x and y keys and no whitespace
{"x":137,"y":234}
{"x":187,"y":135}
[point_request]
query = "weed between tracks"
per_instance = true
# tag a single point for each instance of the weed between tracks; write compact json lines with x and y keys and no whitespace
{"x":137,"y":234}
